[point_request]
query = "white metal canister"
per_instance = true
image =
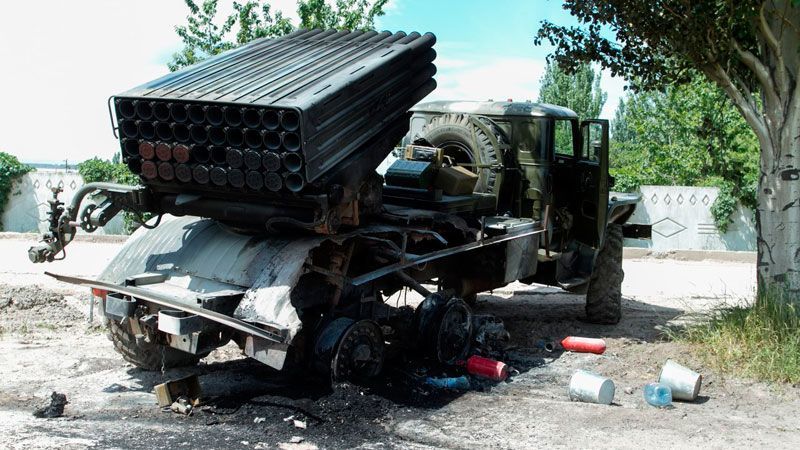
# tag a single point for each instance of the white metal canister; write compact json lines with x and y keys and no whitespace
{"x":589,"y":387}
{"x":684,"y":382}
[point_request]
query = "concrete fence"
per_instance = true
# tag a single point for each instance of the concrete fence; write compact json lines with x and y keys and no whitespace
{"x":680,"y":216}
{"x":681,"y":220}
{"x":27,"y":206}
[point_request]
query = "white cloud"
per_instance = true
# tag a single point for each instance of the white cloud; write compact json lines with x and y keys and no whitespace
{"x":488,"y":78}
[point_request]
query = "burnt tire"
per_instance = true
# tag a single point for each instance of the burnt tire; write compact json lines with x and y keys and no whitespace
{"x":604,"y":295}
{"x":472,"y":140}
{"x":144,"y":355}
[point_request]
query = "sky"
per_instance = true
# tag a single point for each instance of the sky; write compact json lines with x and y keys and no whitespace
{"x":60,"y":63}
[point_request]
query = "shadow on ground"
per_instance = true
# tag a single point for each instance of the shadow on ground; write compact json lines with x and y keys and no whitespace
{"x":246,"y":393}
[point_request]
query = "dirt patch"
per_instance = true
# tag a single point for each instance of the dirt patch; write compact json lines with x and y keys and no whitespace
{"x":111,"y":404}
{"x":30,"y":309}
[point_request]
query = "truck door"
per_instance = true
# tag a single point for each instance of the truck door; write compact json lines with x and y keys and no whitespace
{"x":591,"y":168}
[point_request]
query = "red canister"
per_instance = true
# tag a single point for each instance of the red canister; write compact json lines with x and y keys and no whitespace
{"x":487,"y":368}
{"x":584,"y":345}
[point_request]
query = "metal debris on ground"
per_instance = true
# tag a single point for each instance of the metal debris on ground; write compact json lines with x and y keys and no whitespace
{"x":545,"y":344}
{"x":589,"y":387}
{"x":300,"y":424}
{"x":584,"y":345}
{"x":296,"y":439}
{"x":684,"y":382}
{"x":182,"y":406}
{"x":490,"y":334}
{"x":259,"y":420}
{"x":487,"y":368}
{"x":54,"y":409}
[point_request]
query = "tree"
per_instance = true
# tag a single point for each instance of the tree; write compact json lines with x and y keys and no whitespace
{"x":749,"y":48}
{"x":686,"y":135}
{"x":204,"y":37}
{"x":579,"y":91}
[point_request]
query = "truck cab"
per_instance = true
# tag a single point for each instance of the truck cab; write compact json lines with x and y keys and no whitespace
{"x":539,"y":161}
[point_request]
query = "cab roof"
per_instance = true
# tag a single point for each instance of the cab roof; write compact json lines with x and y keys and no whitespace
{"x":490,"y":108}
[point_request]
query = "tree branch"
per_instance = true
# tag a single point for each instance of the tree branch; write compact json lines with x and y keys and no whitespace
{"x":762,"y":74}
{"x":775,"y":46}
{"x":750,"y":114}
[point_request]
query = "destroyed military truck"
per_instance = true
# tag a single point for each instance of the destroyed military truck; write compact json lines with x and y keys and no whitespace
{"x":264,"y":222}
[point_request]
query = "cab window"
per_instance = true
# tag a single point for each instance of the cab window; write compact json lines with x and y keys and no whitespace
{"x":592,"y":142}
{"x":564,"y":138}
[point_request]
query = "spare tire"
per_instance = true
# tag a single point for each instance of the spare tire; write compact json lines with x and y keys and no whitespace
{"x":469,"y":140}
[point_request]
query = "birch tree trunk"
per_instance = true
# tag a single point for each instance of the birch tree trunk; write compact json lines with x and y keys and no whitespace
{"x":778,"y":216}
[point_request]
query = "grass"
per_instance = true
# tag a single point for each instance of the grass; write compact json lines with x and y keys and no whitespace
{"x":760,"y":341}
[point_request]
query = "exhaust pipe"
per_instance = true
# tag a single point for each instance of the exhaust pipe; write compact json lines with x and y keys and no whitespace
{"x":126,"y":109}
{"x":178,"y":112}
{"x":293,"y":162}
{"x":273,"y":181}
{"x":144,"y":109}
{"x":183,"y":173}
{"x":147,"y":150}
{"x":271,"y":119}
{"x":149,"y":170}
{"x":271,"y":161}
{"x":214,"y":115}
{"x":200,"y":174}
{"x":180,"y":153}
{"x":161,"y":111}
{"x":163,"y":151}
{"x":236,"y":178}
{"x":291,"y":141}
{"x":181,"y":132}
{"x":234,"y":158}
{"x":146,"y":129}
{"x":166,"y":172}
{"x":219,"y":176}
{"x":163,"y":131}
{"x":294,"y":182}
{"x":251,"y":118}
{"x":254,"y":180}
{"x":196,"y":114}
{"x":233,"y":117}
{"x":272,"y":139}
{"x":218,"y":155}
{"x":290,"y":120}
{"x":252,"y":159}
{"x":200,"y":154}
{"x":234,"y":137}
{"x":253,"y":138}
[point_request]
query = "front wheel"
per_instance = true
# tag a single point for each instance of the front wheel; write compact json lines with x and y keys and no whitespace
{"x":604,"y":295}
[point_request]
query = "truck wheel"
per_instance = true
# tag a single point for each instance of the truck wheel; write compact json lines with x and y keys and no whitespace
{"x":144,"y":355}
{"x":467,"y":143}
{"x":604,"y":295}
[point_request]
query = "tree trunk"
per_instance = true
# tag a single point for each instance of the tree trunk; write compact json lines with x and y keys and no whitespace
{"x":778,"y":218}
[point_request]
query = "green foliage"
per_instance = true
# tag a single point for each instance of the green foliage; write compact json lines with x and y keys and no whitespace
{"x":343,"y":15}
{"x":10,"y":170}
{"x":101,"y":170}
{"x":579,"y":91}
{"x":761,"y":341}
{"x":659,"y":43}
{"x":688,"y":135}
{"x":204,"y":35}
